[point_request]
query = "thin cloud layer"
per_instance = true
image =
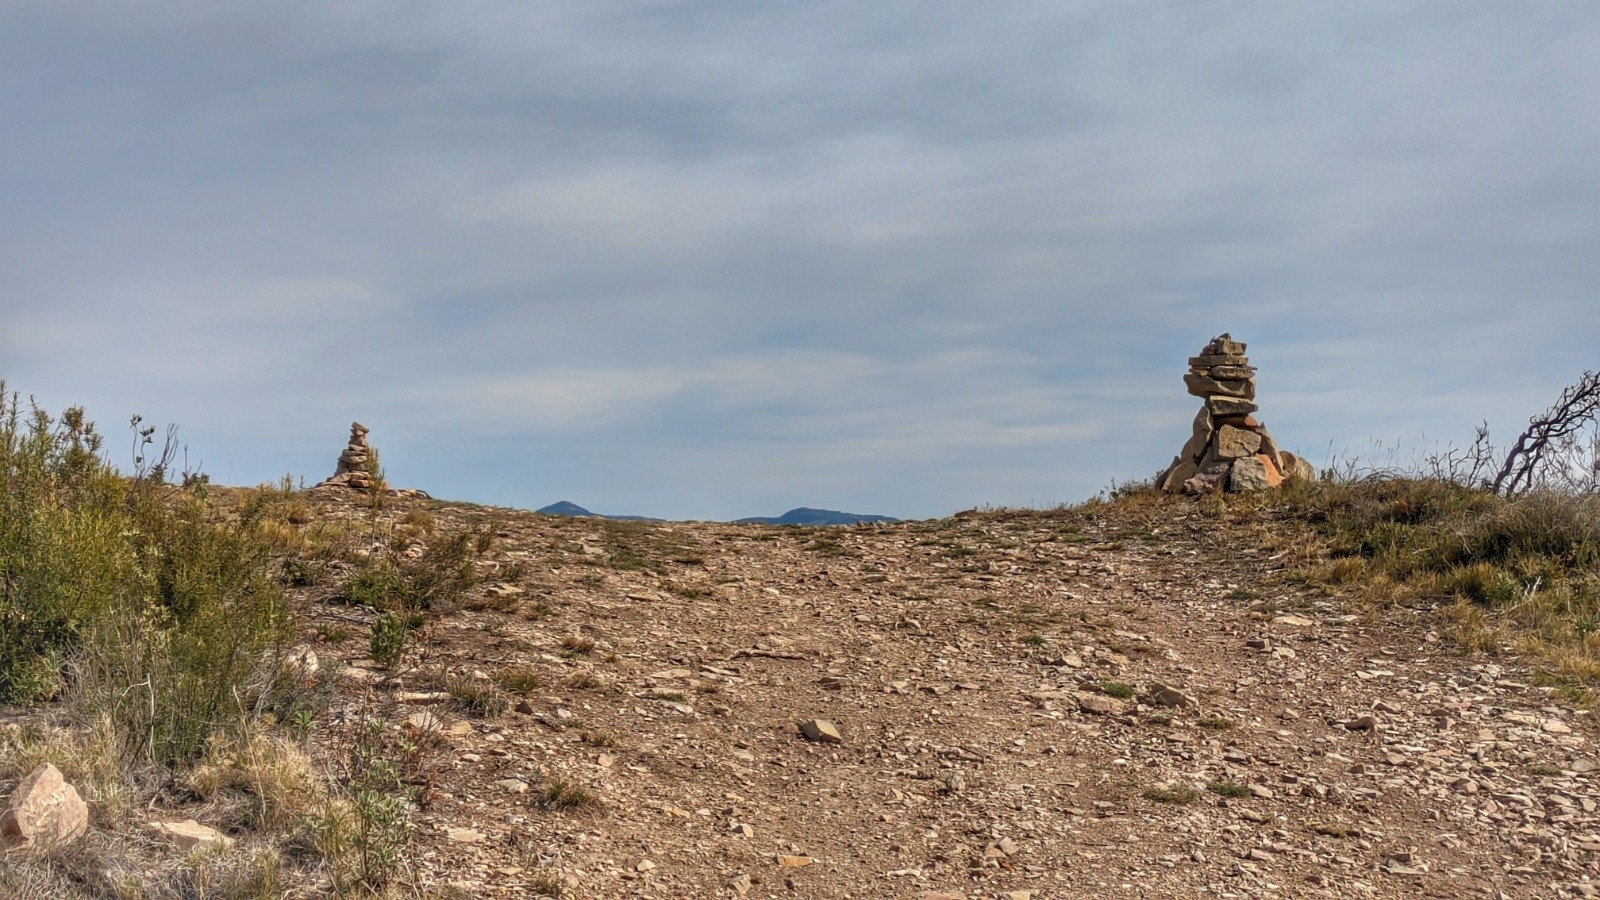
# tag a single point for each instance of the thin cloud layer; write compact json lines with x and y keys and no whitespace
{"x":698,"y":259}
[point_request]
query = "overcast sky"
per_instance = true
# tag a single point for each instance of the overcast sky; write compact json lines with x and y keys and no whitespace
{"x":708,"y":259}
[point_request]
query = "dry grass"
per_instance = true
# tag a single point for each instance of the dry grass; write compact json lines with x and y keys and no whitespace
{"x":1518,"y":573}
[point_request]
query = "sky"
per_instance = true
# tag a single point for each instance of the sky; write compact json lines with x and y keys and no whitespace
{"x":701,"y":259}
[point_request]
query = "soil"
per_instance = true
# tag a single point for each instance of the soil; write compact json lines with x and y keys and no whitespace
{"x":1128,"y":700}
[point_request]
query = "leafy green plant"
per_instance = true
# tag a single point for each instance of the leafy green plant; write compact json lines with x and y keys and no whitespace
{"x":387,"y":644}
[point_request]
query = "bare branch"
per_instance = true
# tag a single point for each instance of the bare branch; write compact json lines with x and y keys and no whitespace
{"x":1578,"y":407}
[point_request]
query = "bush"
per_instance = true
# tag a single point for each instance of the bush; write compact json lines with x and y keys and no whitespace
{"x":156,"y":618}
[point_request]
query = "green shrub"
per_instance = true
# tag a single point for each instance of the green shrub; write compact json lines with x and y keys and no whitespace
{"x":434,"y":580}
{"x":164,"y":616}
{"x":390,"y":633}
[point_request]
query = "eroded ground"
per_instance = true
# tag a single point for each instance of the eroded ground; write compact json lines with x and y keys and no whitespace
{"x":994,"y":680}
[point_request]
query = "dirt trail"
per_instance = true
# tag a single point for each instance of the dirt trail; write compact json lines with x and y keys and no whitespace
{"x":1037,"y":705}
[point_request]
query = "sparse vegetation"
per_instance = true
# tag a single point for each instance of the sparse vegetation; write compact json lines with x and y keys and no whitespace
{"x":477,"y":696}
{"x":565,"y":795}
{"x":1117,"y":689}
{"x":167,"y":618}
{"x":520,"y":680}
{"x":1231,"y":789}
{"x":1177,"y":796}
{"x":577,"y":645}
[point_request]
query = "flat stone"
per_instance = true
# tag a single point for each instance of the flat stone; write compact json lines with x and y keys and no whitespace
{"x":189,"y":834}
{"x":1230,"y":406}
{"x":1206,"y":361}
{"x":1236,"y":443}
{"x":422,"y":720}
{"x":1296,"y":621}
{"x":1100,"y":705}
{"x":794,"y":862}
{"x":1231,"y":373}
{"x":463,"y":835}
{"x":1163,"y":695}
{"x":422,"y":696}
{"x":1205,"y":386}
{"x":821,"y":730}
{"x":43,"y":814}
{"x":302,"y":660}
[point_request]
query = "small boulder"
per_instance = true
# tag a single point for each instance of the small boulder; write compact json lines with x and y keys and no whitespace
{"x":1164,"y":695}
{"x":1251,"y":474}
{"x":1295,"y":468}
{"x":43,"y":814}
{"x":189,"y":834}
{"x":821,"y":730}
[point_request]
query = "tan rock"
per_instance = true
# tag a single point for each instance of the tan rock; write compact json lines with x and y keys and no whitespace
{"x":1242,"y":421}
{"x":1249,"y":474}
{"x":794,"y":862}
{"x":1205,"y":386}
{"x":1269,"y":447}
{"x":821,"y":730}
{"x":1232,"y":373}
{"x":1179,"y":472}
{"x":1236,"y":443}
{"x":1209,"y":478}
{"x":43,"y":814}
{"x":1208,"y":360}
{"x":425,"y":721}
{"x":1295,"y":468}
{"x":1163,"y":695}
{"x":1225,"y":344}
{"x":189,"y":834}
{"x":1230,"y":406}
{"x":1199,"y":438}
{"x":1100,"y":705}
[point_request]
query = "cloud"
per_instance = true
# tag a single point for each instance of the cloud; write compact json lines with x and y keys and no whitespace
{"x":705,"y":256}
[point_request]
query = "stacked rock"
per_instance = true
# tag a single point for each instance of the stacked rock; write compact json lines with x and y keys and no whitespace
{"x":355,"y":468}
{"x":1229,"y":448}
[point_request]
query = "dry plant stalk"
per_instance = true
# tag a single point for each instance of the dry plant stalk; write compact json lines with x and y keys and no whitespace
{"x":1553,"y":431}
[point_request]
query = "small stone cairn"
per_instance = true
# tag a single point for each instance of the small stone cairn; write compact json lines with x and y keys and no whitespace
{"x":1229,"y":448}
{"x":354,"y":470}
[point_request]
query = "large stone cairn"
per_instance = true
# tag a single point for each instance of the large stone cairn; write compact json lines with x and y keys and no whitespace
{"x":1229,"y":448}
{"x":354,"y":469}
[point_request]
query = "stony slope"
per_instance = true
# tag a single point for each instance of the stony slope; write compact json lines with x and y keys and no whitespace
{"x":1111,"y":702}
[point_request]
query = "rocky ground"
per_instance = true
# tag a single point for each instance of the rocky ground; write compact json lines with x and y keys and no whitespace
{"x":1128,"y":701}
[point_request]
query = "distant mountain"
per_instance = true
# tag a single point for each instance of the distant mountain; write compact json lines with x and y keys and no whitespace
{"x":807,"y":516}
{"x":568,"y":508}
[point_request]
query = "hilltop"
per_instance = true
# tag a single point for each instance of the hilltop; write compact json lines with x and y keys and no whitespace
{"x":1137,"y":698}
{"x":805,"y":515}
